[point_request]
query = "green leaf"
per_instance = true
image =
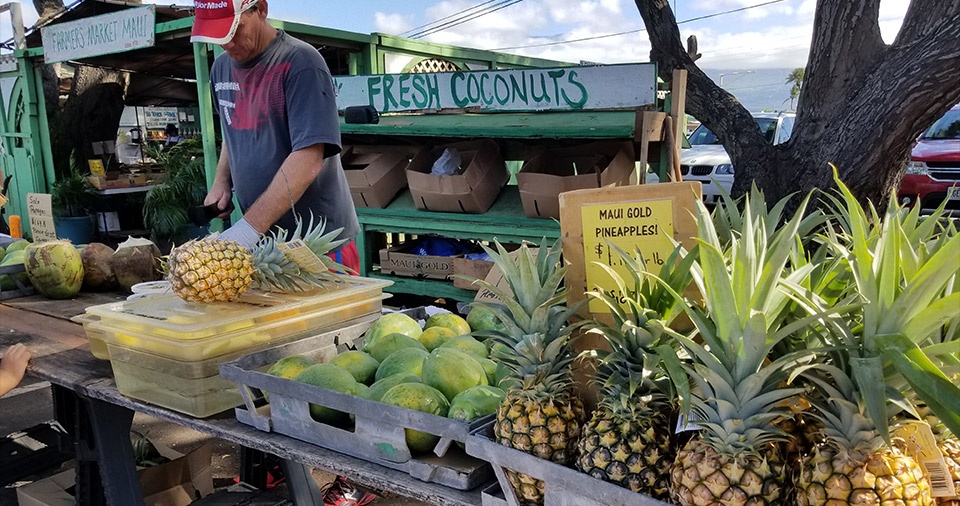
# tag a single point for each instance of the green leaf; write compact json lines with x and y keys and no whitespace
{"x":928,"y":382}
{"x":868,"y":375}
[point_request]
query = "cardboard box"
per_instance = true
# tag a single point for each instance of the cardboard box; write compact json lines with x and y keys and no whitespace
{"x":376,"y":173}
{"x":472,"y":189}
{"x":175,"y":483}
{"x":395,"y":261}
{"x":473,"y":268}
{"x":544,"y":177}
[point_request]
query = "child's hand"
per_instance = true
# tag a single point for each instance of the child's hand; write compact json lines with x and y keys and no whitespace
{"x":14,"y":365}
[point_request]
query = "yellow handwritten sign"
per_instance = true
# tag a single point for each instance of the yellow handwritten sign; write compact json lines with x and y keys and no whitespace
{"x":96,"y":167}
{"x":646,"y":226}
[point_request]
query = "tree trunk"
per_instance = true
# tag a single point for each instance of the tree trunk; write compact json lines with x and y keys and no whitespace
{"x":862,"y":104}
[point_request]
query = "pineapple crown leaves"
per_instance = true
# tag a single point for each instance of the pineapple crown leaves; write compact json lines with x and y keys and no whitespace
{"x":275,"y":270}
{"x":906,"y":284}
{"x":540,"y":364}
{"x":632,"y":396}
{"x":534,"y":280}
{"x":646,"y":295}
{"x":537,"y":302}
{"x":728,"y":217}
{"x":741,"y":285}
{"x":839,"y":405}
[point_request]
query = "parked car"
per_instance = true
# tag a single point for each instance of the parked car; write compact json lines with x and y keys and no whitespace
{"x":706,"y":160}
{"x":933,"y":173}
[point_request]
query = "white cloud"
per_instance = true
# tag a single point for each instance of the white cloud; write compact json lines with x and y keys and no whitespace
{"x":392,"y":23}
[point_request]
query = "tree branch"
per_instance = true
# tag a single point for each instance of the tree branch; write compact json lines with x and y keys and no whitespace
{"x":846,"y":45}
{"x":926,"y":17}
{"x":709,"y":103}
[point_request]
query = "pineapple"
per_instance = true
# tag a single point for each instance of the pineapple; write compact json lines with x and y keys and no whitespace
{"x":541,"y":413}
{"x":879,"y":352}
{"x":855,"y":465}
{"x":629,"y":437}
{"x":741,"y":390}
{"x":215,"y":270}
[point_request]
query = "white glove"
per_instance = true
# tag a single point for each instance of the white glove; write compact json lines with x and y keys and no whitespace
{"x":241,"y":233}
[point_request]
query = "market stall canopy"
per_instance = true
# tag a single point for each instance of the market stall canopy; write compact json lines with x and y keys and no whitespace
{"x":161,"y":75}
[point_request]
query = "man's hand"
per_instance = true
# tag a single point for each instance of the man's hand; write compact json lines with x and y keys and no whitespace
{"x":221,"y":195}
{"x":242,"y":233}
{"x":13,"y":366}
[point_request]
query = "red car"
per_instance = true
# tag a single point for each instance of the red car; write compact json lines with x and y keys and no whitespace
{"x":933,"y":173}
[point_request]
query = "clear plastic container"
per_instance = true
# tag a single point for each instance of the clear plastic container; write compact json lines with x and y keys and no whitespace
{"x":170,"y":316}
{"x":188,"y":348}
{"x":199,"y":397}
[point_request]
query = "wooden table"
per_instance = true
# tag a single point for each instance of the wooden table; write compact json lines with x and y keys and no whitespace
{"x":62,"y":357}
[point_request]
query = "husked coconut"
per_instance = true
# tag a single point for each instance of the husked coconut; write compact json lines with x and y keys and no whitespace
{"x":136,"y":260}
{"x":97,"y":269}
{"x":54,"y":269}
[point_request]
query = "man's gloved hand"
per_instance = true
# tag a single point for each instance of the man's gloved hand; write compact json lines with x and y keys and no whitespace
{"x":242,"y":233}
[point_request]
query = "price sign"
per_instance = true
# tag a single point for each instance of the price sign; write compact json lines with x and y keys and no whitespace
{"x":632,"y":218}
{"x":96,"y":167}
{"x":40,"y":214}
{"x":644,"y":226}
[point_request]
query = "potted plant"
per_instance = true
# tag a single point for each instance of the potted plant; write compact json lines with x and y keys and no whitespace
{"x":73,"y":200}
{"x":165,"y":206}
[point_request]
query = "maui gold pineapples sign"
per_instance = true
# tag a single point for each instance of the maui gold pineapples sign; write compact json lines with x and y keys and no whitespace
{"x":644,"y":226}
{"x":644,"y":219}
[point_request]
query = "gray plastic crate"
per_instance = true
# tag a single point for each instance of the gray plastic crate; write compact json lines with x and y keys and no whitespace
{"x":20,"y":289}
{"x":563,"y":486}
{"x":378,"y":431}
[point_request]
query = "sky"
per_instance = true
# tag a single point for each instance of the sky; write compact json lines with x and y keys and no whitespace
{"x":732,"y":34}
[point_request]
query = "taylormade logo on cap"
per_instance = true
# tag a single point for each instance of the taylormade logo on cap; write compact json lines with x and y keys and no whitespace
{"x":215,"y":21}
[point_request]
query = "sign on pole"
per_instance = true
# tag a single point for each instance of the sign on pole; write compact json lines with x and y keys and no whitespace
{"x":98,"y":35}
{"x":598,"y":87}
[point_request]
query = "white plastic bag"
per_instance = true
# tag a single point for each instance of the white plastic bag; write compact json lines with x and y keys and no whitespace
{"x":447,"y":164}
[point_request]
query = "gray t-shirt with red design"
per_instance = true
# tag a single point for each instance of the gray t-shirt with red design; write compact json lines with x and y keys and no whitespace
{"x":282,"y":101}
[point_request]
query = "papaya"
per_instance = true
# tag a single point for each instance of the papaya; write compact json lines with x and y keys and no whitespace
{"x":378,"y":388}
{"x":452,"y":371}
{"x":423,"y":398}
{"x":381,"y":346}
{"x":409,"y":360}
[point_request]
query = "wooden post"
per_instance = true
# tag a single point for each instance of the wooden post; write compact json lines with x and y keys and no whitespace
{"x":678,"y":104}
{"x":650,"y":130}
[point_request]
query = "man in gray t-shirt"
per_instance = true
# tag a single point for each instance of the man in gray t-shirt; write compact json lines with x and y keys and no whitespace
{"x":278,"y":112}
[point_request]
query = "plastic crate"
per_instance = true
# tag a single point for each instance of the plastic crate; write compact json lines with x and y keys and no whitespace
{"x":172,"y":317}
{"x":564,"y":486}
{"x":194,"y":388}
{"x":378,"y":431}
{"x":136,"y":331}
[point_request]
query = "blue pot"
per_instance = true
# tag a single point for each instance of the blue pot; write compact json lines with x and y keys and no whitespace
{"x":78,"y":229}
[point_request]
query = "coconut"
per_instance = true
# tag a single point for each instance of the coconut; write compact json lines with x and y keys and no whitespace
{"x":54,"y":269}
{"x":136,"y":261}
{"x":97,"y":272}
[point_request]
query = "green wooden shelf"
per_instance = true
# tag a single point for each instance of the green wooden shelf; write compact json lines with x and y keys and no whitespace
{"x":429,"y":287}
{"x":504,"y":221}
{"x":535,"y":125}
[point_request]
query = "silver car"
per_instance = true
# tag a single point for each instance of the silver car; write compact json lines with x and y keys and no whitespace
{"x":706,"y":160}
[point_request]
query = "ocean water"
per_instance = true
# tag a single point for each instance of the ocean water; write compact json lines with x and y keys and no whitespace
{"x":757,"y":89}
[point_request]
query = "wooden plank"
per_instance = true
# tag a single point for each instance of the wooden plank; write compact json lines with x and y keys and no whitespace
{"x":678,"y":107}
{"x":594,"y":87}
{"x":555,"y":125}
{"x":504,"y":220}
{"x":38,"y":328}
{"x":64,"y":309}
